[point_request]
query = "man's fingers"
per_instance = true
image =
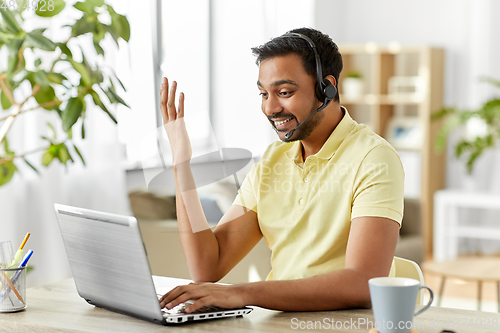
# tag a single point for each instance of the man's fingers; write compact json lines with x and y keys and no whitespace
{"x":171,"y":298}
{"x":180,"y":112}
{"x":167,"y":102}
{"x":163,"y":100}
{"x":172,"y":113}
{"x":182,"y":294}
{"x":198,"y":304}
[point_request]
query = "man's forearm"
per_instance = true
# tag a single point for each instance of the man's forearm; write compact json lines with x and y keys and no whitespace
{"x":199,"y":244}
{"x":337,"y":290}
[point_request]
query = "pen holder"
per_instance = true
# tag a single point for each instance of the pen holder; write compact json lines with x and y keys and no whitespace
{"x":12,"y":289}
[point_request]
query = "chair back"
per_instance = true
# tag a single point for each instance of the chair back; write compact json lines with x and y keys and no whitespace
{"x":410,"y":269}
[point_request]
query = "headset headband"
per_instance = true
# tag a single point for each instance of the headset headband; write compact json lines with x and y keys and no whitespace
{"x":319,"y":71}
{"x":324,"y":88}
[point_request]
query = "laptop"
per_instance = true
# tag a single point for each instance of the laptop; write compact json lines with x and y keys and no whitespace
{"x":111,"y":270}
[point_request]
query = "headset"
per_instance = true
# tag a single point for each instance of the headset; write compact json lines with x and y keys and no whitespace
{"x":325,"y":90}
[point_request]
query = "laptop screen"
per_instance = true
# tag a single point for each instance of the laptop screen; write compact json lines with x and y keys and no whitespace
{"x":108,"y":261}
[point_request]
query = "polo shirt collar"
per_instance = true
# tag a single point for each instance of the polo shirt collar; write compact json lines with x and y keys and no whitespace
{"x":332,"y":143}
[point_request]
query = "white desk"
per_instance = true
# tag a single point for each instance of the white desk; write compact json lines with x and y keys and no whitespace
{"x":447,"y":231}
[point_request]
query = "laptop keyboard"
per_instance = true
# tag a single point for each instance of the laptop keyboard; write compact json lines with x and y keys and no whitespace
{"x":180,"y":309}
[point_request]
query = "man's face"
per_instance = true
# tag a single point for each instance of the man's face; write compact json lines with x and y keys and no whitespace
{"x":288,"y":96}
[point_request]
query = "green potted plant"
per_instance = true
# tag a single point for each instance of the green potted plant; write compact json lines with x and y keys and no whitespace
{"x":471,"y":148}
{"x":352,"y":85}
{"x":47,"y":73}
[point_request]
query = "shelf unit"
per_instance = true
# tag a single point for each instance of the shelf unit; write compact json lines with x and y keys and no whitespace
{"x":381,"y":107}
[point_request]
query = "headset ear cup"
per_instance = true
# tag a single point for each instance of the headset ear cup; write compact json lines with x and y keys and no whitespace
{"x":320,"y":92}
{"x":329,"y":90}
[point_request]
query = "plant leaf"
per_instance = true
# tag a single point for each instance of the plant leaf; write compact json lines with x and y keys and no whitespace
{"x":6,"y":104}
{"x":65,"y":49}
{"x":83,"y":26}
{"x":443,"y":113}
{"x":461,"y":147}
{"x":125,"y":27}
{"x":52,"y":131}
{"x":40,"y":41}
{"x":72,"y":113}
{"x":54,"y":149}
{"x":5,"y":34}
{"x":64,"y":155}
{"x":82,"y":70}
{"x":40,"y":78}
{"x":83,"y":129}
{"x":7,"y":148}
{"x":14,"y":46}
{"x":10,"y":21}
{"x":7,"y":171}
{"x":79,"y":154}
{"x":96,"y":3}
{"x":47,"y":158}
{"x":45,"y":95}
{"x":47,"y":139}
{"x":57,"y":78}
{"x":491,"y":81}
{"x":86,"y":63}
{"x":98,"y":48}
{"x":85,"y":7}
{"x":30,"y":165}
{"x":13,"y":62}
{"x":117,"y":98}
{"x":98,"y":102}
{"x":58,"y":7}
{"x":40,"y":30}
{"x":100,"y":34}
{"x":97,"y":76}
{"x":117,"y":79}
{"x":112,"y":32}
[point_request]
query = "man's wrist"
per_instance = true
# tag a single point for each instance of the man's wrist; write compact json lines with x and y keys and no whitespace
{"x":246,"y":292}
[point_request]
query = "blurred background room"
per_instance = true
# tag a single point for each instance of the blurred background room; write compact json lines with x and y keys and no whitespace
{"x":99,"y":62}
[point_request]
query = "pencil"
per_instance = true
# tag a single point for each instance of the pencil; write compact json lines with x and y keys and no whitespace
{"x":12,"y":287}
{"x":24,"y":241}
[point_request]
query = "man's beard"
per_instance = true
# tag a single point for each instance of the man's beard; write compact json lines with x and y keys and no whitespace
{"x":306,"y":129}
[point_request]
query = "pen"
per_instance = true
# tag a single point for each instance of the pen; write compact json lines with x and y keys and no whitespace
{"x":5,"y":292}
{"x":19,"y":252}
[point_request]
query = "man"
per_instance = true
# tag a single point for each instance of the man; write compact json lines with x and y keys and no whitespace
{"x":328,"y":199}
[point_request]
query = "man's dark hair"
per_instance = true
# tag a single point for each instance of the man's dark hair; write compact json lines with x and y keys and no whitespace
{"x":331,"y":59}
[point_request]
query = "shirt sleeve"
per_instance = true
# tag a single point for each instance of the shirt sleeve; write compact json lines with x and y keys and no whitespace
{"x":379,"y":185}
{"x":247,"y":194}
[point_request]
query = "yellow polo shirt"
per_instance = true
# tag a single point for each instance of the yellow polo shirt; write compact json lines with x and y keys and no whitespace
{"x":305,"y":209}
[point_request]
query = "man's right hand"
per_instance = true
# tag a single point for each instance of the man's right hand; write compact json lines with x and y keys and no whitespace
{"x":173,"y":122}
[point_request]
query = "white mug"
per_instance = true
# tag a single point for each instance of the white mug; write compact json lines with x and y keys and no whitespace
{"x":393,"y":301}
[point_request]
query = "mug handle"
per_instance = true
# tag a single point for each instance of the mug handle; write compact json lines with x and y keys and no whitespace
{"x":430,"y":300}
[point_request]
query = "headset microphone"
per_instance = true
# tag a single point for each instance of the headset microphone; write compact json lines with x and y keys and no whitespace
{"x":324,"y":88}
{"x":325,"y":104}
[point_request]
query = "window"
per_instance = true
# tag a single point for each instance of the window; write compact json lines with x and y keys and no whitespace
{"x":184,"y":56}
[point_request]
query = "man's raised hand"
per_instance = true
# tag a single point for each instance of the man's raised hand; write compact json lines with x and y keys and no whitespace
{"x":173,"y":122}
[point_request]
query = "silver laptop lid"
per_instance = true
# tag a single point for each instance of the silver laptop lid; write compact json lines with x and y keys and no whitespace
{"x":109,"y":261}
